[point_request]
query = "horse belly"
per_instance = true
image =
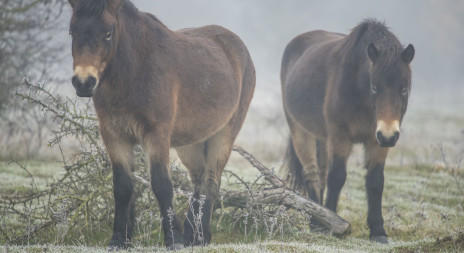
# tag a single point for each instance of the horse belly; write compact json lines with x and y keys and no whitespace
{"x":304,"y":94}
{"x":312,"y":120}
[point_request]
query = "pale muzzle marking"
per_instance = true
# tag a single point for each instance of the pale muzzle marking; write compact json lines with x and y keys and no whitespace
{"x":388,"y":129}
{"x":82,"y":73}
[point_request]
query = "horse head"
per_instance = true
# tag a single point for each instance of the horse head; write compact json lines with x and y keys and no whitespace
{"x":94,"y":33}
{"x":390,"y":83}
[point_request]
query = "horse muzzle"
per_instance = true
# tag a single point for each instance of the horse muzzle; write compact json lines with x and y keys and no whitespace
{"x":387,"y":134}
{"x":85,"y":88}
{"x":387,"y":141}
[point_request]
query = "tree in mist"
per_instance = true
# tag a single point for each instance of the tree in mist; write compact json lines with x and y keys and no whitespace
{"x":27,"y":48}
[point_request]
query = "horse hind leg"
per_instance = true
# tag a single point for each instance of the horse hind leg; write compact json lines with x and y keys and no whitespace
{"x":306,"y":178}
{"x":217,"y":150}
{"x":205,"y":162}
{"x":322,"y":162}
{"x":194,"y":158}
{"x":339,"y":149}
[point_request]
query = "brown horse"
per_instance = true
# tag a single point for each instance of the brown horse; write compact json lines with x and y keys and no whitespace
{"x":339,"y":90}
{"x":189,"y":89}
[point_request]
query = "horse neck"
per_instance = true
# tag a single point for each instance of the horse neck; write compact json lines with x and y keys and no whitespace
{"x":356,"y":64}
{"x":353,"y":65}
{"x":132,"y":66}
{"x":134,"y":47}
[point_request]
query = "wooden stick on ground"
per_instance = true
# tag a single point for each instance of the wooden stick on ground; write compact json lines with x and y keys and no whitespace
{"x":278,"y":195}
{"x":285,"y":196}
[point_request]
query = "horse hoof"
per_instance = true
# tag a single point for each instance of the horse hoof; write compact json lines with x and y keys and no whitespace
{"x":117,"y":243}
{"x":114,"y":248}
{"x":175,"y":246}
{"x":380,"y":239}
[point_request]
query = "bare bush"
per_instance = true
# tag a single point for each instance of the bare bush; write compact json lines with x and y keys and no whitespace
{"x":27,"y":48}
{"x":84,"y":185}
{"x":451,"y":155}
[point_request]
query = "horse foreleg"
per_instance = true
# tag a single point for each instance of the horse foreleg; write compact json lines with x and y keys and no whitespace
{"x":122,"y":162}
{"x":124,"y":207}
{"x":157,"y":149}
{"x":375,"y":157}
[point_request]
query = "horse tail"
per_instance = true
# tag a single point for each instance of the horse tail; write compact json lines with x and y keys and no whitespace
{"x":294,"y":170}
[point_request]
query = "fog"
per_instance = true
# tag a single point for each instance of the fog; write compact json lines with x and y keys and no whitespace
{"x":435,"y":28}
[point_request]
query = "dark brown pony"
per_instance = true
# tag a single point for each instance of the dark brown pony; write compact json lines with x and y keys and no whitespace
{"x":151,"y":86}
{"x":339,"y":90}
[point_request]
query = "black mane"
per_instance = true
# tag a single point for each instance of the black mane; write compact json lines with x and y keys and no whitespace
{"x":90,"y":7}
{"x":96,"y":7}
{"x":376,"y":32}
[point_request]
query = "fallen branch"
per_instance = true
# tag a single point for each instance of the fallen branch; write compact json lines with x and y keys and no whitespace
{"x":268,"y":174}
{"x":284,"y":196}
{"x":279,"y":195}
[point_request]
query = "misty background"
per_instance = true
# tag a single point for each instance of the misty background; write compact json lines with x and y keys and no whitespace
{"x":435,"y":28}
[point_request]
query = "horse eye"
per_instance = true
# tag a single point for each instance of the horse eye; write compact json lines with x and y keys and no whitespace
{"x":404,"y":91}
{"x":108,"y":36}
{"x":373,"y":89}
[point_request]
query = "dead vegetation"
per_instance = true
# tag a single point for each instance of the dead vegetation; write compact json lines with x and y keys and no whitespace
{"x":28,"y":46}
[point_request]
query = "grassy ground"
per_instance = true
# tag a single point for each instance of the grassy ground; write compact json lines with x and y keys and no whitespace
{"x":352,"y":245}
{"x":423,"y":203}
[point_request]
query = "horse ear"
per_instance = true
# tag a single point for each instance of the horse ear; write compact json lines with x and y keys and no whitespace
{"x":408,"y":54}
{"x":72,"y":3}
{"x":115,"y":5}
{"x":372,"y":52}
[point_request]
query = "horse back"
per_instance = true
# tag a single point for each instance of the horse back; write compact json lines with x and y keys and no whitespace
{"x":214,"y":36}
{"x":307,"y":68}
{"x":214,"y":62}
